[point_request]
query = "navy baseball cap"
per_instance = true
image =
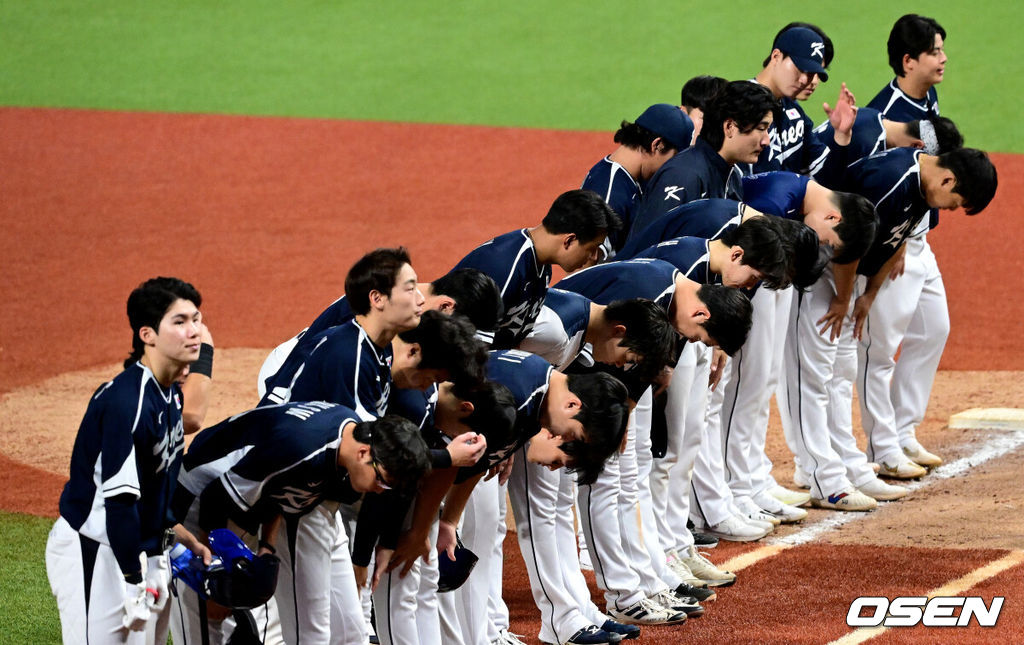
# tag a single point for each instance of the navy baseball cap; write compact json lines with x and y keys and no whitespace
{"x":806,"y":48}
{"x":668,"y":122}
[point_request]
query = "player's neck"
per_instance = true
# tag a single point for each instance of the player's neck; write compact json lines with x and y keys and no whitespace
{"x":597,"y":325}
{"x":912,"y":87}
{"x":765,"y":78}
{"x":165,"y":370}
{"x":718,"y":255}
{"x":545,"y":245}
{"x":816,"y":198}
{"x":376,"y":328}
{"x":631,"y":160}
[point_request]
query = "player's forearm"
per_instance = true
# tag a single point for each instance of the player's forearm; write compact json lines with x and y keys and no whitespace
{"x":124,"y":534}
{"x":195,"y":391}
{"x":845,"y":277}
{"x":428,"y":502}
{"x":876,"y":281}
{"x":456,"y":499}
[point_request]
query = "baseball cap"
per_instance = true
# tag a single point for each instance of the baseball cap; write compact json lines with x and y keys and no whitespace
{"x":805,"y":47}
{"x":668,"y":122}
{"x":453,"y":573}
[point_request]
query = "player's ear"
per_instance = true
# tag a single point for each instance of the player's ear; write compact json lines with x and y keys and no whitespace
{"x":362,"y":452}
{"x":446,"y":304}
{"x":730,"y":128}
{"x":700,"y":312}
{"x":567,"y":240}
{"x":657,"y":146}
{"x":736,"y":253}
{"x":908,"y":62}
{"x":619,"y":331}
{"x":466,"y":407}
{"x":377,"y":299}
{"x":917,"y":143}
{"x":148,"y":335}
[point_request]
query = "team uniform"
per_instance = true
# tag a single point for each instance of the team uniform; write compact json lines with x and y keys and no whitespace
{"x":280,"y":459}
{"x":695,"y":173}
{"x":620,"y":191}
{"x":866,"y":138}
{"x":511,"y":261}
{"x":706,"y":218}
{"x":925,"y":336}
{"x":116,"y":506}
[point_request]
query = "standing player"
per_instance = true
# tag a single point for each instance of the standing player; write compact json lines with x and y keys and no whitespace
{"x":735,"y":131}
{"x":656,"y":136}
{"x":917,"y":57}
{"x":570,"y":235}
{"x":106,"y":555}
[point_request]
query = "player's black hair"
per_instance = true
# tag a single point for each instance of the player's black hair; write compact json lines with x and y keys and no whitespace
{"x":745,"y":103}
{"x":807,"y":256}
{"x":699,"y":90}
{"x":476,"y":296}
{"x":397,"y":445}
{"x":730,"y":311}
{"x":649,"y":333}
{"x":911,"y":35}
{"x":976,"y":177}
{"x":494,"y":412}
{"x":603,"y":414}
{"x":376,"y":271}
{"x":147,"y":305}
{"x":856,"y":229}
{"x":638,"y":137}
{"x":946,"y":132}
{"x":582,"y":213}
{"x":828,"y":52}
{"x":763,"y":249}
{"x":449,"y":343}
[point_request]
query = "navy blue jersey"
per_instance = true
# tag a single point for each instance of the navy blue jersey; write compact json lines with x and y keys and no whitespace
{"x":867,"y":137}
{"x":707,"y":218}
{"x":619,"y":190}
{"x":559,"y":334}
{"x":511,"y":261}
{"x":338,"y":313}
{"x":269,"y":460}
{"x":526,"y":375}
{"x":777,"y":193}
{"x":688,"y":254}
{"x":794,"y":146}
{"x":420,"y":407}
{"x":896,"y":105}
{"x":341,"y":365}
{"x":892,"y":181}
{"x":129,"y":444}
{"x":695,"y":173}
{"x":605,"y":283}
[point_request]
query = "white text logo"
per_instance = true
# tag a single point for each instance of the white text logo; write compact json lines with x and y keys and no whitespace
{"x":907,"y":611}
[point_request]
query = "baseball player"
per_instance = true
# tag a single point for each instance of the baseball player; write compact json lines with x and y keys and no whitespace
{"x":587,"y":411}
{"x":519,"y":262}
{"x":466,"y":291}
{"x":917,"y":57}
{"x":569,"y":327}
{"x":106,"y":554}
{"x":735,"y":130}
{"x":284,"y":460}
{"x":621,"y":562}
{"x":904,"y":183}
{"x":695,"y":96}
{"x":644,"y":146}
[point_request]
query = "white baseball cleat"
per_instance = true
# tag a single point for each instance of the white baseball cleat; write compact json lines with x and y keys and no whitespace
{"x":791,"y":497}
{"x":882,"y":491}
{"x":917,"y":454}
{"x":850,"y":499}
{"x":905,"y":469}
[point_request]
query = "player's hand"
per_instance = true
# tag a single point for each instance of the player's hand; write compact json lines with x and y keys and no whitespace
{"x":136,"y":606}
{"x":204,"y":334}
{"x":216,"y":612}
{"x":410,"y":547}
{"x":842,"y":116}
{"x":194,"y":544}
{"x":467,"y":448}
{"x":446,"y":540}
{"x":861,"y":307}
{"x":900,"y":264}
{"x":361,"y":575}
{"x":382,"y":559}
{"x":718,"y":358}
{"x":662,"y":380}
{"x":158,"y":576}
{"x":832,"y":321}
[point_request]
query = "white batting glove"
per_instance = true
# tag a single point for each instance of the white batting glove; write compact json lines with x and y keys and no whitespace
{"x":157,"y":579}
{"x":136,"y":607}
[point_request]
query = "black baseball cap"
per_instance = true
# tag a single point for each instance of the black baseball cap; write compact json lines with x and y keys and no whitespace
{"x":806,"y":48}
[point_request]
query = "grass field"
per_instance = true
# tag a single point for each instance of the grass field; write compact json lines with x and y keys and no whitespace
{"x":572,"y":65}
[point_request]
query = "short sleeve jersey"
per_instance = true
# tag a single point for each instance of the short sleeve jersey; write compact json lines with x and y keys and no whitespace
{"x":641,"y":278}
{"x":273,"y":459}
{"x":688,"y":254}
{"x":867,"y":137}
{"x":794,"y":146}
{"x":129,"y":443}
{"x":707,"y":218}
{"x":338,"y":313}
{"x":892,"y":181}
{"x":559,"y":335}
{"x":776,"y":193}
{"x":341,"y":365}
{"x":895,"y":105}
{"x":695,"y":173}
{"x":619,"y":190}
{"x":527,"y":376}
{"x":511,"y":261}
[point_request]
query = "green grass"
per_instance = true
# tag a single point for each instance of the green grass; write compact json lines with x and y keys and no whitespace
{"x":28,"y":611}
{"x":574,"y":65}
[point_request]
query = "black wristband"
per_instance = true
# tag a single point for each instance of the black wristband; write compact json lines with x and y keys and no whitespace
{"x":133,"y":578}
{"x":203,"y":364}
{"x":268,"y":546}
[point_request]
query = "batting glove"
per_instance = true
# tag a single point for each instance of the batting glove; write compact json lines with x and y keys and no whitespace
{"x":136,"y":607}
{"x":157,"y":579}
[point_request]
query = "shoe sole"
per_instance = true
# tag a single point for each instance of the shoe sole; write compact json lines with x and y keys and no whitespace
{"x":903,"y":476}
{"x":820,"y":503}
{"x":737,"y":538}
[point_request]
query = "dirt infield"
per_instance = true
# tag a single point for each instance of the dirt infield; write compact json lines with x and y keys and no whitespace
{"x":266,"y":215}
